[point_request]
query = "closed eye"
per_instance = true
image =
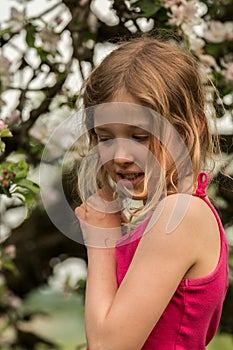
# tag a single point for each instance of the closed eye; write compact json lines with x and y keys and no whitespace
{"x":141,"y":138}
{"x":104,"y":138}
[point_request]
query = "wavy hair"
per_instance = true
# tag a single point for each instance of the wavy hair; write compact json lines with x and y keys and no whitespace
{"x":164,"y":78}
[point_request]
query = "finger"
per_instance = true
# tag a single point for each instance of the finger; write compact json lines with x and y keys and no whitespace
{"x":80,"y":212}
{"x":124,"y":218}
{"x":98,"y":203}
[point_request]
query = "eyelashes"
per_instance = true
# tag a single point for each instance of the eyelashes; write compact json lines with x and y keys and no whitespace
{"x":141,"y":138}
{"x":138,"y":138}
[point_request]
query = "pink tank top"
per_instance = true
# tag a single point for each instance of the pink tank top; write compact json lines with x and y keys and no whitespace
{"x":191,"y":318}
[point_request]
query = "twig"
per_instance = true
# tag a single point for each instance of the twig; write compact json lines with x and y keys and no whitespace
{"x":46,"y":11}
{"x":136,"y":25}
{"x":18,"y":88}
{"x":44,"y":106}
{"x":81,"y":71}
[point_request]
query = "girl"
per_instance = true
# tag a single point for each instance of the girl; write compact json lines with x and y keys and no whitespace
{"x":162,"y":285}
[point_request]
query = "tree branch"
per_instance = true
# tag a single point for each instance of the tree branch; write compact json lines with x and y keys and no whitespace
{"x":46,"y":11}
{"x":44,"y":106}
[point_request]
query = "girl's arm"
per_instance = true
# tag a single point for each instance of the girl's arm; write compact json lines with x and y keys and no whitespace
{"x":122,"y":318}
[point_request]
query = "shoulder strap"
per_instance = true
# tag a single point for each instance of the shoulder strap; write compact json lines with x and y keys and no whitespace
{"x":202,"y":181}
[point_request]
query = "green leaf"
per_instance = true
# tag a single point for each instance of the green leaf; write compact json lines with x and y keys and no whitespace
{"x":89,"y":36}
{"x":10,"y":267}
{"x":5,"y":31}
{"x":20,"y":169}
{"x":2,"y":147}
{"x":81,"y":283}
{"x":42,"y":53}
{"x":30,"y":35}
{"x":26,"y":197}
{"x":4,"y":165}
{"x":5,"y":133}
{"x":25,"y":183}
{"x":148,"y":7}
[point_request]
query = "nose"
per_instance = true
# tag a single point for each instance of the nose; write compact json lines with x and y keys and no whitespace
{"x":123,"y":152}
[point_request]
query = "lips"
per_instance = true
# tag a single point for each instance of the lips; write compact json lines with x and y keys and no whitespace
{"x":132,"y":177}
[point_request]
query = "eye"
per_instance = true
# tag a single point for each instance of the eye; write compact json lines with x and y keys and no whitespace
{"x":104,"y":138}
{"x":141,"y":138}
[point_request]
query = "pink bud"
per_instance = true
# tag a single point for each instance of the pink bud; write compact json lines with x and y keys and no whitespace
{"x":82,"y":2}
{"x":5,"y":171}
{"x":5,"y":183}
{"x":1,"y":178}
{"x":11,"y":251}
{"x":2,"y":124}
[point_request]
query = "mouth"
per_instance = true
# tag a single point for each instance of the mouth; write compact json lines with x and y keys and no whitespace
{"x":133,"y":178}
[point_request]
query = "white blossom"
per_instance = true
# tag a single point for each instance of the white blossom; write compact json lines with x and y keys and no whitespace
{"x":170,"y":3}
{"x":4,"y":72}
{"x":49,"y":40}
{"x":188,"y":15}
{"x":228,"y":72}
{"x":205,"y":73}
{"x":229,"y":30}
{"x":13,"y":118}
{"x":40,"y":132}
{"x":196,"y":43}
{"x":71,"y":270}
{"x":209,"y":60}
{"x":186,"y":12}
{"x":217,"y":32}
{"x":16,"y":21}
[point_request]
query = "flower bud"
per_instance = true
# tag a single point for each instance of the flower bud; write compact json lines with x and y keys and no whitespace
{"x":10,"y":250}
{"x":2,"y":124}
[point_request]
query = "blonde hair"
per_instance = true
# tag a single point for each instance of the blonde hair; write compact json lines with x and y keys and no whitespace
{"x":164,"y":78}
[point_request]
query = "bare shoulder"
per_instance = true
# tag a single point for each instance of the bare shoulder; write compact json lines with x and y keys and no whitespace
{"x":181,"y":210}
{"x":185,"y":226}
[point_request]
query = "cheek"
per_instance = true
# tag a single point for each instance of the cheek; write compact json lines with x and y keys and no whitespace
{"x":108,"y":167}
{"x":134,"y":152}
{"x":106,"y":153}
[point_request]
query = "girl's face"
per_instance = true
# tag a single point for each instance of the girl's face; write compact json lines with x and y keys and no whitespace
{"x":123,"y":136}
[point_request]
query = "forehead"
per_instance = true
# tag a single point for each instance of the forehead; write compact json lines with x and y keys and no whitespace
{"x":122,"y":113}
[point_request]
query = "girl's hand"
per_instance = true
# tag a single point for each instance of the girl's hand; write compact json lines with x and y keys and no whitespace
{"x":100,"y":220}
